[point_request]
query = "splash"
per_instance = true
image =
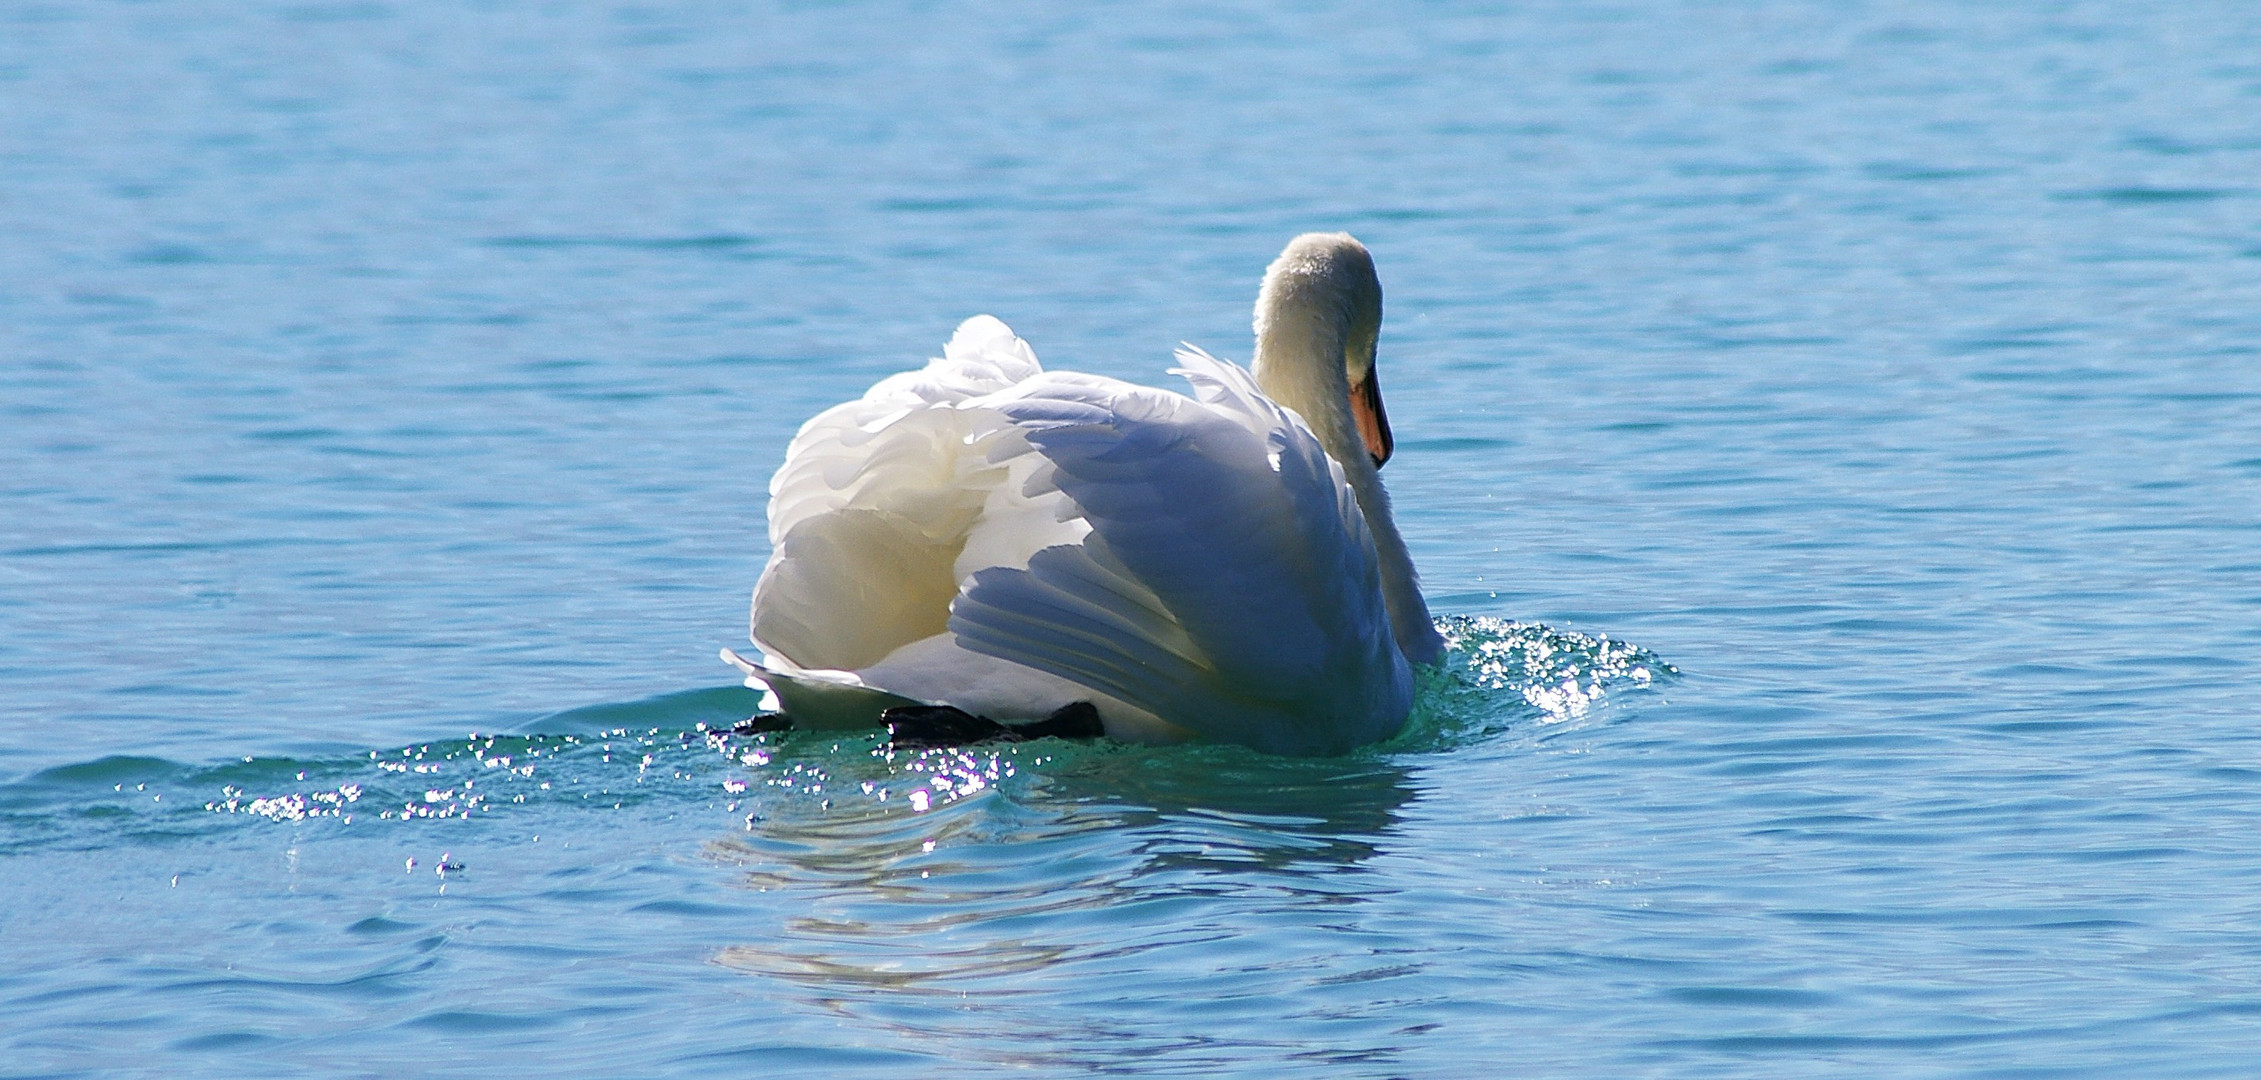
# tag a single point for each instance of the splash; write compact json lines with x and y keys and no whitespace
{"x":481,"y":775}
{"x":293,"y":806}
{"x":1499,"y":673}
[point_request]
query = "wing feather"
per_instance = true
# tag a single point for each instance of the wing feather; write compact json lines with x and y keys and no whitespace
{"x":874,"y":504}
{"x":1229,"y":515}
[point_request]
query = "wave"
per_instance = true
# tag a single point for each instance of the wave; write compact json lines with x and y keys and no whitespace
{"x":682,"y":749}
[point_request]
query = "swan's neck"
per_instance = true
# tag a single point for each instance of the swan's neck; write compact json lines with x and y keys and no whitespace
{"x":1299,"y":363}
{"x":1302,"y":332}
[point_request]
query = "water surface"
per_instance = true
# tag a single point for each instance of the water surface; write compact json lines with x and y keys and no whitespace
{"x":1846,"y":416}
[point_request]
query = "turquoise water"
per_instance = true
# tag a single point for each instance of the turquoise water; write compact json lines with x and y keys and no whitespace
{"x":1832,"y":430}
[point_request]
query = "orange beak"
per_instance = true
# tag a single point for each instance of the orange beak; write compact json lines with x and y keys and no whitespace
{"x":1373,"y":423}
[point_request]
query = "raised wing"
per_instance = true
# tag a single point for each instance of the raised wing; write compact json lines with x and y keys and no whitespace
{"x":869,"y":515}
{"x":892,"y":444}
{"x":1228,"y":584}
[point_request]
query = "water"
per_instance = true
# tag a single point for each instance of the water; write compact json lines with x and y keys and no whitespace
{"x":1855,"y":406}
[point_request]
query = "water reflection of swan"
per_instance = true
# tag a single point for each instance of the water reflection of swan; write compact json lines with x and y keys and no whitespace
{"x":1010,"y":541}
{"x":1044,"y":876}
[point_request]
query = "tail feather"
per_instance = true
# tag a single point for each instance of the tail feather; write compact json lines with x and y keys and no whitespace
{"x":824,"y":700}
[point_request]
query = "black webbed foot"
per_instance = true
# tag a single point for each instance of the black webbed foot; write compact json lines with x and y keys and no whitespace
{"x":761,"y":722}
{"x":938,"y":725}
{"x":922,"y":726}
{"x":1079,"y":720}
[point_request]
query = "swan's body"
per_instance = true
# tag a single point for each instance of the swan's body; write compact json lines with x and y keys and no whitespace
{"x":991,"y":536}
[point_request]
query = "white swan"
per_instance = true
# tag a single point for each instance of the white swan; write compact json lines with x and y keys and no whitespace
{"x":1009,"y":541}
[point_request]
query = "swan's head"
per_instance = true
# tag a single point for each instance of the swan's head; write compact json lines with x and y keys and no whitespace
{"x":1318,"y":318}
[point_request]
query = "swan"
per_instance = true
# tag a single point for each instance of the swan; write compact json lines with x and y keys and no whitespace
{"x":1013,"y":542}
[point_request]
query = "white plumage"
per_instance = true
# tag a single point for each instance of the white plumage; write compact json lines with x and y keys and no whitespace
{"x":1006,"y":540}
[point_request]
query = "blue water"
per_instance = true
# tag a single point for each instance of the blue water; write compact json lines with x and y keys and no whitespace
{"x":1834,"y":431}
